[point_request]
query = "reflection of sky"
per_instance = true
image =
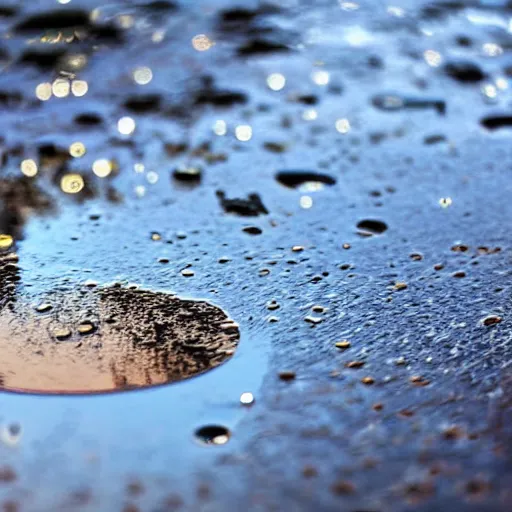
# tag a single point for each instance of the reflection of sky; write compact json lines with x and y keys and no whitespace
{"x":125,"y":428}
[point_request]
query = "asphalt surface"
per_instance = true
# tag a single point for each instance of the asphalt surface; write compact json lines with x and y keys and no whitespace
{"x":255,"y":256}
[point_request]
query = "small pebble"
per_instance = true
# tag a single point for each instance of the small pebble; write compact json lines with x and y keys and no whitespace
{"x":491,"y":320}
{"x":62,"y":333}
{"x":43,"y":308}
{"x":355,"y":364}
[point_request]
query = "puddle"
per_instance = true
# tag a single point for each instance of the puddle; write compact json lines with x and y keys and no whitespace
{"x":109,"y":339}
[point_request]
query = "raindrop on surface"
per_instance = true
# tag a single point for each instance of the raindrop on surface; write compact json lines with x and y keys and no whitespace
{"x":309,"y":181}
{"x":188,"y":174}
{"x":11,"y":434}
{"x":213,"y":435}
{"x":246,"y":398}
{"x":43,"y":308}
{"x":369,"y":227}
{"x":252,"y":230}
{"x":445,"y":202}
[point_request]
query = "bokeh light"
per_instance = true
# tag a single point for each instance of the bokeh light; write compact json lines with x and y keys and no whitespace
{"x":276,"y":81}
{"x":142,"y":75}
{"x":60,"y":88}
{"x":102,"y":167}
{"x":126,"y":125}
{"x":29,"y":168}
{"x":72,"y":183}
{"x":44,"y":91}
{"x":79,"y":88}
{"x":77,"y":149}
{"x":219,"y":127}
{"x":243,"y":132}
{"x":202,"y":42}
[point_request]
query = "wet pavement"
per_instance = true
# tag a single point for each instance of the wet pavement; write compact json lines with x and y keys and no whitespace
{"x":255,"y":256}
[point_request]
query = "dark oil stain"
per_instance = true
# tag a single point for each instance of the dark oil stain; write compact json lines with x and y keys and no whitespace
{"x":250,"y":207}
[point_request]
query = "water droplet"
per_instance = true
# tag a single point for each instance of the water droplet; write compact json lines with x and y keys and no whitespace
{"x":188,"y":174}
{"x":11,"y":434}
{"x":273,"y":305}
{"x":309,"y":180}
{"x":252,"y":230}
{"x":213,"y":435}
{"x":86,"y":328}
{"x":369,"y":227}
{"x":43,"y":308}
{"x":314,"y":320}
{"x":62,"y":333}
{"x":246,"y":398}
